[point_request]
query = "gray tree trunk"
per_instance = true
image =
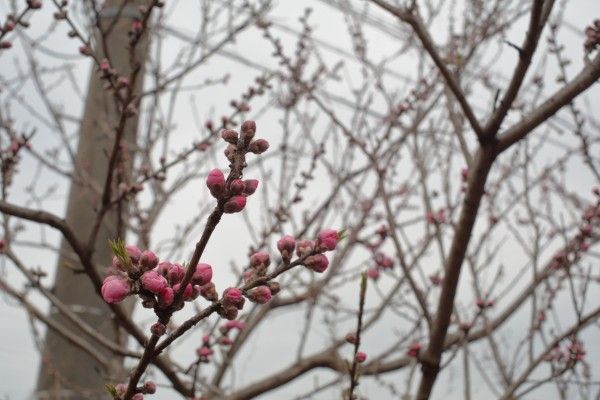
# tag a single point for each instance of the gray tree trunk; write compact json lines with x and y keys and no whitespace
{"x":66,"y":372}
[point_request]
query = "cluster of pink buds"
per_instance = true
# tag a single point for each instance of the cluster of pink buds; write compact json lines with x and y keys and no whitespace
{"x":414,"y":350}
{"x":481,"y":303}
{"x":381,"y":262}
{"x":12,"y":21}
{"x":136,"y":272}
{"x":572,"y":353}
{"x":232,"y":193}
{"x":205,"y":351}
{"x":437,"y":217}
{"x":580,"y":243}
{"x":149,"y":387}
{"x":592,"y":36}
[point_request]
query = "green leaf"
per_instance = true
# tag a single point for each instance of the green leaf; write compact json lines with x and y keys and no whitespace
{"x":110,"y":388}
{"x":118,"y":248}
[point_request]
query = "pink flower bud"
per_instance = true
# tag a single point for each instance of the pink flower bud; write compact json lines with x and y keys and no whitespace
{"x":216,"y":183}
{"x":236,"y":187}
{"x":175,"y":274}
{"x":239,"y":325}
{"x":158,"y":329}
{"x":84,"y":50}
{"x":361,"y":357}
{"x":204,"y":352}
{"x":104,"y":65}
{"x":149,"y":387}
{"x":229,"y":136}
{"x":116,"y":263}
{"x":317,"y":263}
{"x":248,"y":130}
{"x":121,"y":389}
{"x":206,"y":339}
{"x":235,"y":204}
{"x":258,"y":146}
{"x":260,"y":294}
{"x":202,"y":275}
{"x":286,"y":246}
{"x":166,"y":296}
{"x":209,"y":292}
{"x":153,"y":282}
{"x":230,"y":152}
{"x":250,"y":186}
{"x":351,"y":338}
{"x":373,"y":273}
{"x":187,"y":293}
{"x":137,"y":396}
{"x":163,"y":268}
{"x":305,"y":247}
{"x":414,"y":350}
{"x":327,"y":240}
{"x":233,"y":297}
{"x":134,"y":253}
{"x":225,"y":341}
{"x":148,"y":260}
{"x":260,"y":260}
{"x":114,"y":289}
{"x":5,"y":44}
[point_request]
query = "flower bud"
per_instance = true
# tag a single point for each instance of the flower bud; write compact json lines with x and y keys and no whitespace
{"x":414,"y":350}
{"x":188,"y":292}
{"x":260,"y":295}
{"x":327,"y":240}
{"x":233,"y":297}
{"x":361,"y":357}
{"x":373,"y":273}
{"x":166,"y":297}
{"x":114,"y":289}
{"x":305,"y":247}
{"x":239,"y":325}
{"x":228,"y":312}
{"x":225,"y":341}
{"x":5,"y":44}
{"x":121,"y":389}
{"x":158,"y":329}
{"x":258,"y":146}
{"x":134,"y":253}
{"x":137,"y":396}
{"x":260,"y":260}
{"x":153,"y":282}
{"x":250,"y":186}
{"x":248,"y":130}
{"x":149,"y":387}
{"x":229,"y":136}
{"x":209,"y":292}
{"x":202,"y":275}
{"x":148,"y":260}
{"x":274,"y":287}
{"x":204,"y":352}
{"x":235,"y":204}
{"x":317,"y":263}
{"x":216,"y":183}
{"x":351,"y":338}
{"x":286,"y":246}
{"x":230,"y":152}
{"x":175,"y":274}
{"x":236,"y":187}
{"x":163,"y":268}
